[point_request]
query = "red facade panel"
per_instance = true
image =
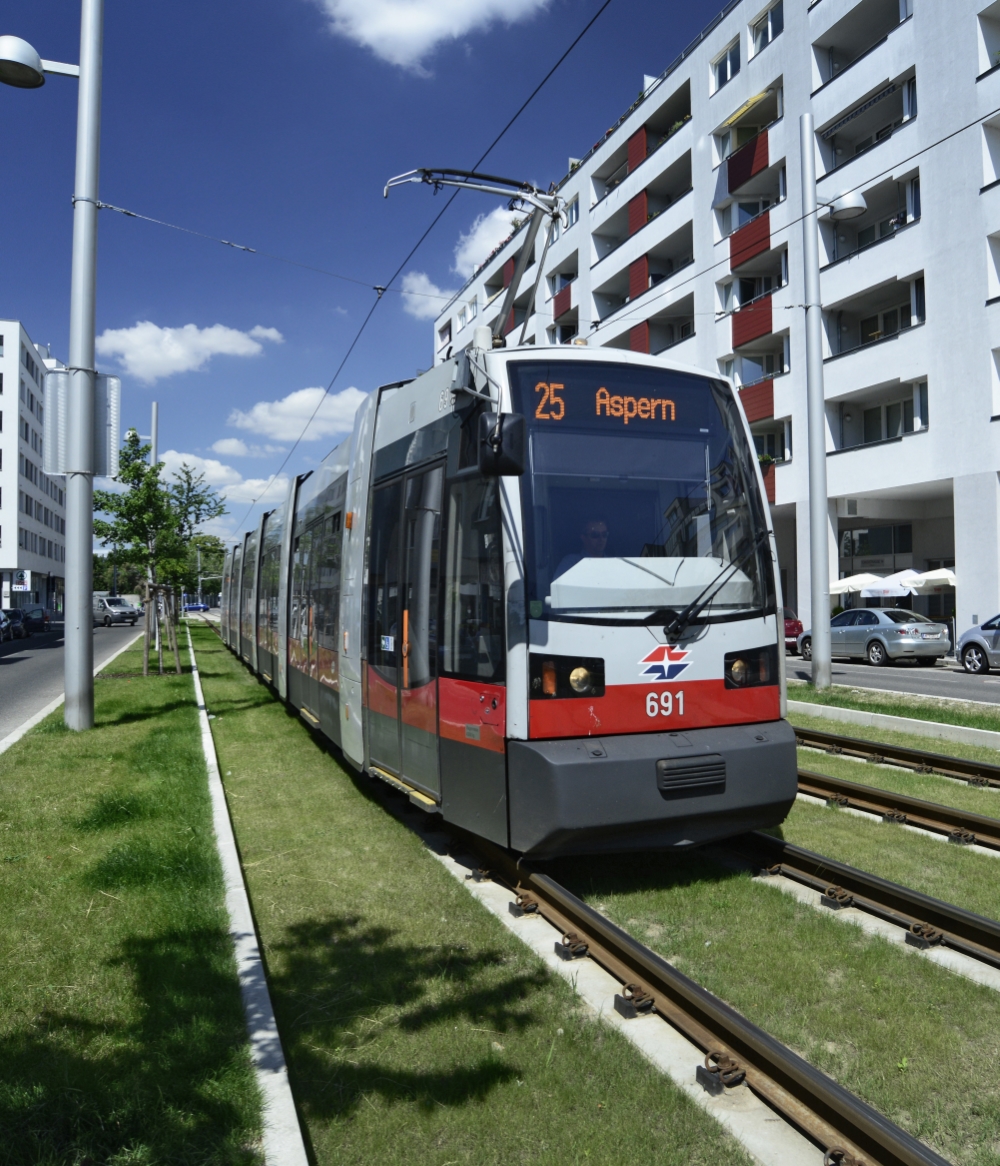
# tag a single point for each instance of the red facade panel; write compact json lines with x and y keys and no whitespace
{"x":750,"y":241}
{"x":562,"y":302}
{"x":638,"y":337}
{"x":758,"y":401}
{"x":509,"y":325}
{"x":638,"y":277}
{"x":638,"y":210}
{"x":752,"y":321}
{"x":636,"y":149}
{"x":768,"y":472}
{"x":508,"y":272}
{"x":748,"y":161}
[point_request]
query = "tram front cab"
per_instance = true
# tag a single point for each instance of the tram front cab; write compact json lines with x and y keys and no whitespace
{"x":644,"y":645}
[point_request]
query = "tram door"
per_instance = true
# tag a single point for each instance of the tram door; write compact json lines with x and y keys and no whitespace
{"x":403,"y":577}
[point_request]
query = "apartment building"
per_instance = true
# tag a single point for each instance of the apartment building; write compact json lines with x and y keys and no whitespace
{"x":685,"y":238}
{"x":32,"y":504}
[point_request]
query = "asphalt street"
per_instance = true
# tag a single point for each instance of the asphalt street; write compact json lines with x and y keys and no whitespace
{"x":31,"y":670}
{"x":946,"y":678}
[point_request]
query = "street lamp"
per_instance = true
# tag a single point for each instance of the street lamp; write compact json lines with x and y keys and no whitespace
{"x":850,"y":206}
{"x":22,"y":67}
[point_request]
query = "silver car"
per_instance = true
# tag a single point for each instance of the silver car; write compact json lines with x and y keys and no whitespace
{"x":979,"y":647}
{"x":881,"y":635}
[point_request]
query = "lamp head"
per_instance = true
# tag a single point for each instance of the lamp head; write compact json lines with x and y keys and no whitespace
{"x":20,"y":65}
{"x":849,"y":206}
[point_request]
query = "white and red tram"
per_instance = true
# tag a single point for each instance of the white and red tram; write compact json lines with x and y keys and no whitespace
{"x":535,"y":588}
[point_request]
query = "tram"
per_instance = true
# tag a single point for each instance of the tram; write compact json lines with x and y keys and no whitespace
{"x":535,"y":590}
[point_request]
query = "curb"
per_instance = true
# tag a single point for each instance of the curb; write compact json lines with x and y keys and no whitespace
{"x":960,"y":734}
{"x":283,"y":1142}
{"x":37,"y":718}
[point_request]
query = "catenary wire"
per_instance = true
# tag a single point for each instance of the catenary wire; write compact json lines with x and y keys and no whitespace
{"x":380,"y":290}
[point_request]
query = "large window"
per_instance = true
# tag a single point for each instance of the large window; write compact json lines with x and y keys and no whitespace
{"x":768,"y":27}
{"x":641,"y":493}
{"x":473,"y":644}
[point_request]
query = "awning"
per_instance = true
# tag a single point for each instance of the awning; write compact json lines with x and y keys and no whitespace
{"x":745,"y":108}
{"x":828,"y":134}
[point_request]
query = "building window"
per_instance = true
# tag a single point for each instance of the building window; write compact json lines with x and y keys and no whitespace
{"x":725,"y":68}
{"x":444,"y":335}
{"x":768,"y":27}
{"x":573,"y":213}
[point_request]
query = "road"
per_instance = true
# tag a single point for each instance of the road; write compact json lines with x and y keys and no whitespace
{"x":946,"y":678}
{"x":31,"y":671}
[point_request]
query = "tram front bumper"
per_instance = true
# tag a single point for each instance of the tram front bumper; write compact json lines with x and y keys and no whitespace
{"x":649,"y":790}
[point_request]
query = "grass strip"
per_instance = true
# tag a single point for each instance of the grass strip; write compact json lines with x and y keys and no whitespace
{"x":892,"y":1027}
{"x":924,"y":708}
{"x":417,"y":1028}
{"x":122,"y":1036}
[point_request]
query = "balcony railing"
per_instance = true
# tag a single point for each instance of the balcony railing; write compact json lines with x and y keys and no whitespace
{"x":867,"y":149}
{"x":850,"y":65}
{"x":866,"y":344}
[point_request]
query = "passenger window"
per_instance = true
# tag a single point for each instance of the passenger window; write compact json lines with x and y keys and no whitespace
{"x":473,"y":600}
{"x":842,"y":620}
{"x":383,"y":581}
{"x":422,"y":534}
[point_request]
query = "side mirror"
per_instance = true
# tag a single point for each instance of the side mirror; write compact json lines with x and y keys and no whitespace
{"x":503,"y":450}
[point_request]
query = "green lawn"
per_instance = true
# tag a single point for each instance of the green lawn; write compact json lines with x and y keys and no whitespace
{"x":924,"y":708}
{"x":122,"y":1037}
{"x":417,"y":1028}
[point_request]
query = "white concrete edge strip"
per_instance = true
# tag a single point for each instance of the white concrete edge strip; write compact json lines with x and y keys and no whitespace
{"x":283,"y":1143}
{"x":961,"y":734}
{"x":29,"y":724}
{"x":763,"y":1133}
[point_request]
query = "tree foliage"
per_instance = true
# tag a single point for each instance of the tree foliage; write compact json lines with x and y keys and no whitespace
{"x":151,"y":526}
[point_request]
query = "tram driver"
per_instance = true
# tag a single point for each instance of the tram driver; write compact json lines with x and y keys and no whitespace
{"x":593,"y":544}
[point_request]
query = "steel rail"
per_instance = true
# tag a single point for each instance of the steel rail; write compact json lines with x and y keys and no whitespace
{"x":975,"y":772}
{"x":847,"y":1128}
{"x":960,"y":826}
{"x":928,"y":922}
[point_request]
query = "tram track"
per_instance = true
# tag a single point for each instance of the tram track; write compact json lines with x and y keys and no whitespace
{"x":846,"y":1128}
{"x":977,"y":773}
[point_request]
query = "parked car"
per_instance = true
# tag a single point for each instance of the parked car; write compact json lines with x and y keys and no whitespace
{"x":883,"y":635}
{"x":979,"y":647}
{"x":19,"y":628}
{"x":110,"y":609}
{"x":196,"y":607}
{"x":793,"y":629}
{"x":37,"y":618}
{"x":6,"y":628}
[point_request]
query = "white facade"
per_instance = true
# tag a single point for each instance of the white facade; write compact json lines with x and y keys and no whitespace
{"x":686,"y":235}
{"x":32,"y":504}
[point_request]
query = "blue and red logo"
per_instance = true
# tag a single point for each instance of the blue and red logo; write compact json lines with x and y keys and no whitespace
{"x":665,"y":662}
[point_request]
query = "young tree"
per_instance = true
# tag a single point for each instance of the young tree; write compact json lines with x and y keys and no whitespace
{"x":193,"y":501}
{"x":142,"y":520}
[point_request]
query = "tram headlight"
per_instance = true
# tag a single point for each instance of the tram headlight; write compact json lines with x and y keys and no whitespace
{"x":753,"y":668}
{"x":581,"y":681}
{"x":565,"y":677}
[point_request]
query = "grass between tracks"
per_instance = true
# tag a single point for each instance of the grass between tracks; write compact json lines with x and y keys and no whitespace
{"x":122,"y":1038}
{"x":417,"y":1028}
{"x":923,"y":708}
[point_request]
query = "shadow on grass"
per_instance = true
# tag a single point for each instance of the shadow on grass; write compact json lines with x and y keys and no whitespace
{"x":624,"y":874}
{"x":339,"y":973}
{"x":116,"y":808}
{"x":139,"y":864}
{"x":172,"y":1085}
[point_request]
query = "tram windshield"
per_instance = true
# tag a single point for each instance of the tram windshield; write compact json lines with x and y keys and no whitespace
{"x":640,"y":494}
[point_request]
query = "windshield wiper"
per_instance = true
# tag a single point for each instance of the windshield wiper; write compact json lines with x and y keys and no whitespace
{"x":677,"y":622}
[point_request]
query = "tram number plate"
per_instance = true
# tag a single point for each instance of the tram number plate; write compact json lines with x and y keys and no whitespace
{"x":663,"y":704}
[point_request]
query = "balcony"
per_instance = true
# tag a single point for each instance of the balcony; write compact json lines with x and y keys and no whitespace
{"x":879,"y":414}
{"x":871,"y":121}
{"x":892,"y":207}
{"x":852,"y":38}
{"x":663,"y":260}
{"x":752,"y":321}
{"x":742,"y":141}
{"x":876,"y":316}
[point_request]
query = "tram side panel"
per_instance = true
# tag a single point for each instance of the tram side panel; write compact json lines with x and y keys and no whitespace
{"x":267,"y":594}
{"x":234,"y":597}
{"x":227,"y":575}
{"x":246,"y":614}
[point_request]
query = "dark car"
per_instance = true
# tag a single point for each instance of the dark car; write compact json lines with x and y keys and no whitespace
{"x":19,"y":627}
{"x":36,"y":618}
{"x":793,"y":629}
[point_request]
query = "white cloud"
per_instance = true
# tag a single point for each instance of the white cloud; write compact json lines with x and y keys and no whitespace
{"x":229,"y":482}
{"x":283,"y":420}
{"x":236,"y":447}
{"x":422,"y":299}
{"x":150,"y":352}
{"x":481,"y":238}
{"x":403,"y":32}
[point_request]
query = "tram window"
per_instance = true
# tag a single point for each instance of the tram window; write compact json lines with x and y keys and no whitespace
{"x":325,"y":582}
{"x":300,"y":609}
{"x":422,"y":518}
{"x":383,"y":581}
{"x":473,"y":601}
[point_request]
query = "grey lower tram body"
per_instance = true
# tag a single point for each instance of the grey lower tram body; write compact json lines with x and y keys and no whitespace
{"x":649,"y":790}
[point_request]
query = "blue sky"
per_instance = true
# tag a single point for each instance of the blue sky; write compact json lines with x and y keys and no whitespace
{"x":276,"y":125}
